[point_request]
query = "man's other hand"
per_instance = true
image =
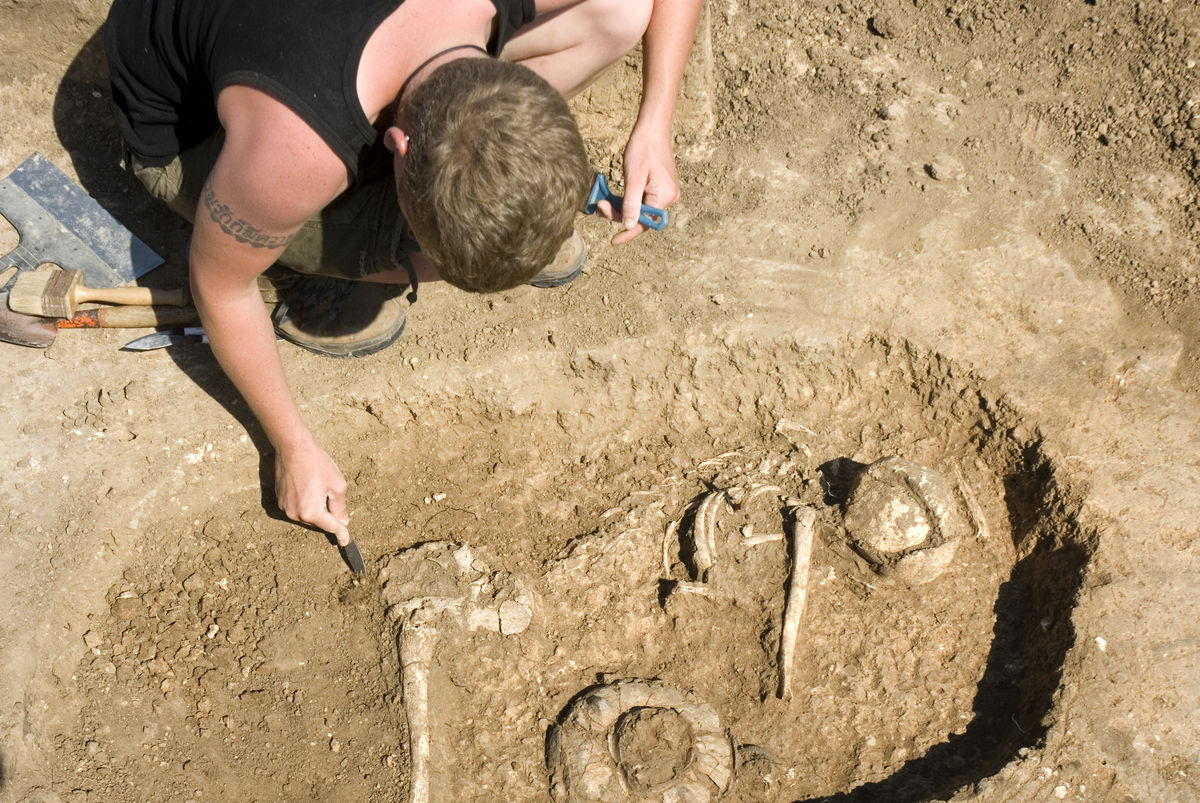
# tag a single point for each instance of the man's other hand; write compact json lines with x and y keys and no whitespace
{"x":650,"y":178}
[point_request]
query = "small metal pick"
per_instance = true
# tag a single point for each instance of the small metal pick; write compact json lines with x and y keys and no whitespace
{"x":353,"y":557}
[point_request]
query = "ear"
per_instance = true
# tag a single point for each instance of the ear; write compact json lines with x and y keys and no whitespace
{"x":396,"y":141}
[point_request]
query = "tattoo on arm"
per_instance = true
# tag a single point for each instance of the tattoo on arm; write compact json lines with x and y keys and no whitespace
{"x":238,"y":228}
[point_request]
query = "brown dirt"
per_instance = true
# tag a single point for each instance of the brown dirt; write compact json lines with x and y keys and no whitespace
{"x":966,"y":234}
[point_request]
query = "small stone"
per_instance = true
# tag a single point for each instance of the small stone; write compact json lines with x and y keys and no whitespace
{"x":885,"y":26}
{"x":514,"y":617}
{"x":126,"y":608}
{"x":334,"y":745}
{"x":214,"y":530}
{"x":92,"y":639}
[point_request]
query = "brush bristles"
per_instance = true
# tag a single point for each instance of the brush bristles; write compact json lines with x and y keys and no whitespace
{"x":45,"y":293}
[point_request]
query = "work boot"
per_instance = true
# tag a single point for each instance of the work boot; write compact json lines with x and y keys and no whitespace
{"x":337,"y":317}
{"x":568,"y":264}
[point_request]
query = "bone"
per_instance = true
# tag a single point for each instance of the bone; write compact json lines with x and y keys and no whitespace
{"x":715,"y":501}
{"x":758,"y":491}
{"x":751,"y":538}
{"x":470,"y":597}
{"x":703,"y":534}
{"x":803,"y":525}
{"x":417,"y":643}
{"x":672,"y":528}
{"x":761,"y":538}
{"x":974,"y":511}
{"x":590,"y":757}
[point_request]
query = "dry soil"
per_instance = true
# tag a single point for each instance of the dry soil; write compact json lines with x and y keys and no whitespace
{"x":962,"y":233}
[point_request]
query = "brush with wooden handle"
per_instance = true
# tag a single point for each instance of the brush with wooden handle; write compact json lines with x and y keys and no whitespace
{"x":55,"y":293}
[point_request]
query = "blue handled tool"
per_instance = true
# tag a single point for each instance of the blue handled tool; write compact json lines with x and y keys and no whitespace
{"x":651,"y":216}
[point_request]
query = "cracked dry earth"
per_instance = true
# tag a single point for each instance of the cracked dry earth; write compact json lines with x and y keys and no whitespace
{"x":961,"y":235}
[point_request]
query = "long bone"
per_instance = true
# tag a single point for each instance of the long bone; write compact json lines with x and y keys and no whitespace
{"x":417,"y":643}
{"x":974,"y":511}
{"x":476,"y":601}
{"x":803,"y":525}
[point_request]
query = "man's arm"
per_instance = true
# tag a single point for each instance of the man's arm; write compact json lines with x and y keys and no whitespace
{"x":650,"y":175}
{"x":273,"y":173}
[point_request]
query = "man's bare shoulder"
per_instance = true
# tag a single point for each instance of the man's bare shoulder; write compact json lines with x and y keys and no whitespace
{"x":275,"y":156}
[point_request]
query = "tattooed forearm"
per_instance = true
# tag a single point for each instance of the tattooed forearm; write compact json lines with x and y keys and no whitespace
{"x":237,"y":228}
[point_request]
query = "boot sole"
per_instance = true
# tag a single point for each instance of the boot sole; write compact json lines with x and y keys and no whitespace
{"x":563,"y":277}
{"x":344,"y":351}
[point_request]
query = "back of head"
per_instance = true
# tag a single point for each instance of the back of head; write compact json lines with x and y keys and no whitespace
{"x":495,"y":172}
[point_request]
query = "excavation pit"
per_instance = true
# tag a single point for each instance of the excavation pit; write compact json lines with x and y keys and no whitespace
{"x":236,"y":649}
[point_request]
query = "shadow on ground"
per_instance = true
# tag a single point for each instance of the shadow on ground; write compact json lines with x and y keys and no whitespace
{"x":83,"y":119}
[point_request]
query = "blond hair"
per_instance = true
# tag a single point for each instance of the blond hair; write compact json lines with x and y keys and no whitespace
{"x":495,"y":172}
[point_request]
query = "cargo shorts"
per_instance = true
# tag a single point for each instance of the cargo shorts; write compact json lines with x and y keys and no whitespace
{"x":360,"y":233}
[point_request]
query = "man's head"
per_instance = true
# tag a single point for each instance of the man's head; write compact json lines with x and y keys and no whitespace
{"x":492,"y":174}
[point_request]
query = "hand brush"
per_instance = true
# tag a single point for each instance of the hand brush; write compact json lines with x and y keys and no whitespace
{"x":52,"y":292}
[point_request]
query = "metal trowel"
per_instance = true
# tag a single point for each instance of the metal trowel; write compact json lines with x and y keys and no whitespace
{"x":353,"y":557}
{"x":58,"y":222}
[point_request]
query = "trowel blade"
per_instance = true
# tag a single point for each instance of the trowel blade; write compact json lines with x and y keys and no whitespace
{"x":353,"y":557}
{"x":25,"y":330}
{"x":58,"y":222}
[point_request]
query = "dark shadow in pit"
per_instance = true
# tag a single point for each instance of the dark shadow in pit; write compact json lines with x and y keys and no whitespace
{"x":1024,"y":667}
{"x":838,"y":477}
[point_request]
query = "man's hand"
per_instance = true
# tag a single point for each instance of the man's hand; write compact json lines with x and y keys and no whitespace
{"x":649,"y":159}
{"x":309,"y":488}
{"x":650,"y":178}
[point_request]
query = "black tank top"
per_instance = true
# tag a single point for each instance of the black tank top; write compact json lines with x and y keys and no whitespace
{"x":168,"y":60}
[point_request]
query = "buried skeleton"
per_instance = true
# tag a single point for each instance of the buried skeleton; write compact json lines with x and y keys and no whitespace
{"x":691,"y":591}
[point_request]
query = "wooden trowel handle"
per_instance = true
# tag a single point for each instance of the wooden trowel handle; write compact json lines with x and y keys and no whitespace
{"x":131,"y":295}
{"x":134,"y":317}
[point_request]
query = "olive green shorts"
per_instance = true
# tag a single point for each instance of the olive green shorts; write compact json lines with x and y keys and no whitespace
{"x":360,"y":233}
